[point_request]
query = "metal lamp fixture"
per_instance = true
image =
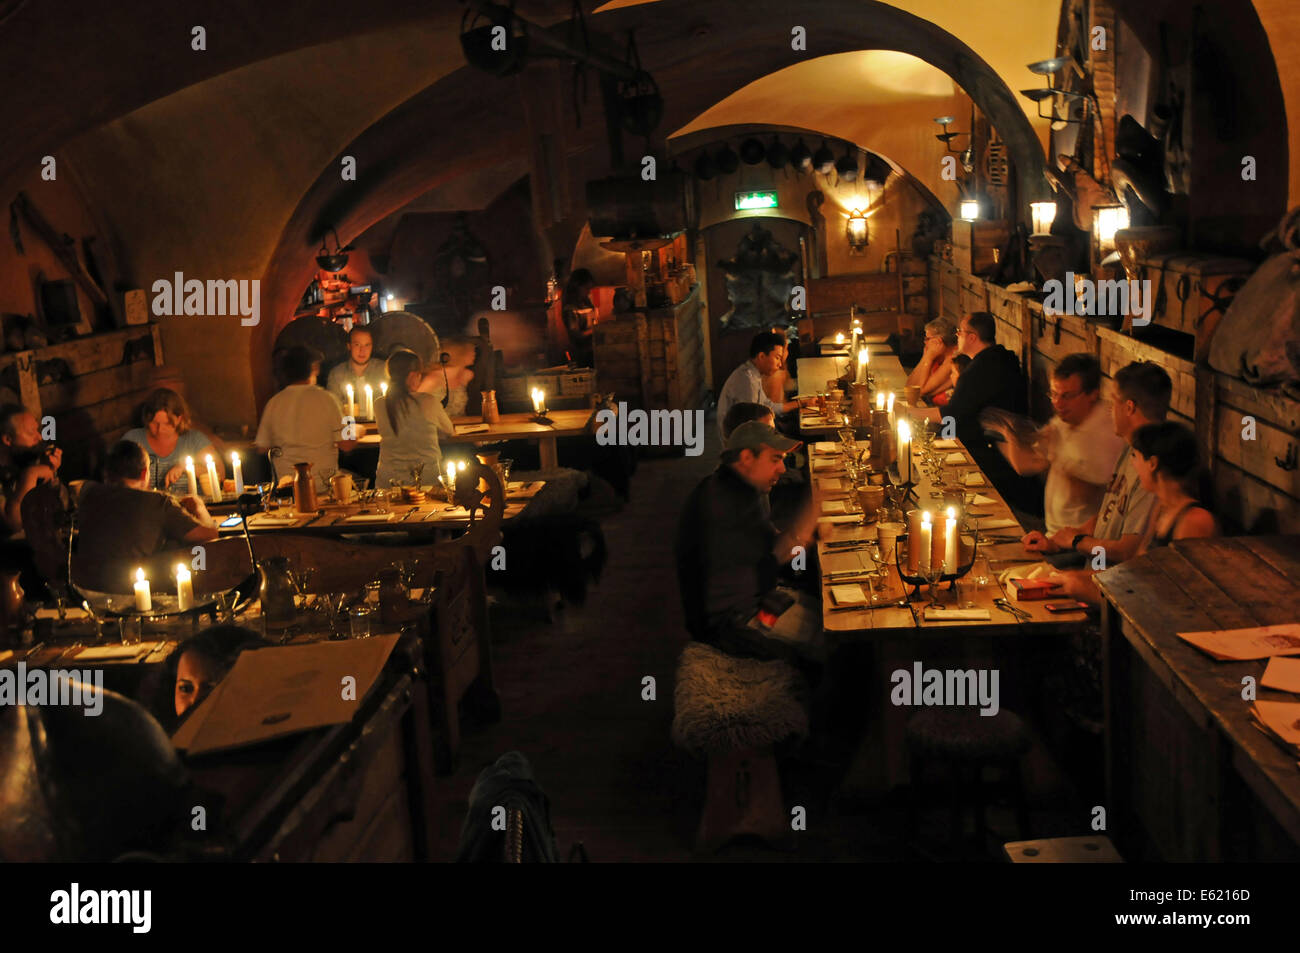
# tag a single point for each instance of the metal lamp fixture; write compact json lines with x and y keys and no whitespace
{"x":336,"y":260}
{"x":1106,"y":221}
{"x":1049,"y":93}
{"x":947,"y":137}
{"x":856,"y":231}
{"x":969,"y":209}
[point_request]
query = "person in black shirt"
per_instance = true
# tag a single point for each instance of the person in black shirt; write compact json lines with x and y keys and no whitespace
{"x":728,"y":552}
{"x":992,"y":379}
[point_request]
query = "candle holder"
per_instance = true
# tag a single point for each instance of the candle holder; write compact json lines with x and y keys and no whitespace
{"x":916,"y":580}
{"x":541,"y":418}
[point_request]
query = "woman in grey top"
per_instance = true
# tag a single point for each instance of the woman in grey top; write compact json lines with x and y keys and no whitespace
{"x":409,"y":424}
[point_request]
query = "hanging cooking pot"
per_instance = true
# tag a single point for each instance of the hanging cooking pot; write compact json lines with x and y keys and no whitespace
{"x":877,"y":170}
{"x":726,"y":160}
{"x":333,"y":261}
{"x":751,"y":152}
{"x":777,"y":154}
{"x":823,"y":159}
{"x":847,"y":166}
{"x":704,"y":169}
{"x":493,"y":46}
{"x":800,"y":157}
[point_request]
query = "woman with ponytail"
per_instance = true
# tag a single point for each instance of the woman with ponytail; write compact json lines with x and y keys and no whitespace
{"x":409,"y":422}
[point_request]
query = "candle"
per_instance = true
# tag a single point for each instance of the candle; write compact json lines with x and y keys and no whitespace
{"x":950,"y":540}
{"x":142,"y":601}
{"x":213,"y":482}
{"x":237,"y":471}
{"x":862,"y":366}
{"x":880,"y":400}
{"x":451,"y":475}
{"x":189,"y":472}
{"x":889,"y":404}
{"x":539,"y":401}
{"x":370,"y":403}
{"x":904,"y":452}
{"x":383,"y":388}
{"x":839,"y":337}
{"x":351,"y":408}
{"x":184,"y":588}
{"x":923,"y":543}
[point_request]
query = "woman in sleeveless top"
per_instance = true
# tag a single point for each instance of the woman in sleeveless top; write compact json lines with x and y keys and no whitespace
{"x":1165,"y":458}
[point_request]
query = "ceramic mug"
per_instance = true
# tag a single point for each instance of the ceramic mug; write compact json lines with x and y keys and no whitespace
{"x":341,"y":486}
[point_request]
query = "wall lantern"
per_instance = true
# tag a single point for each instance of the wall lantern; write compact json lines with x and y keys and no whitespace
{"x":1106,"y":221}
{"x":857,"y":231}
{"x":1043,"y":214}
{"x":969,"y":209}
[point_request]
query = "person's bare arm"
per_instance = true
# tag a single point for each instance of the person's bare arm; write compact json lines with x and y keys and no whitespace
{"x":201,"y":534}
{"x":940,"y":379}
{"x":924,"y":370}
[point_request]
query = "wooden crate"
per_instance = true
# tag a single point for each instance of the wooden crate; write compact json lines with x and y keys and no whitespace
{"x":1195,"y":289}
{"x":577,"y":383}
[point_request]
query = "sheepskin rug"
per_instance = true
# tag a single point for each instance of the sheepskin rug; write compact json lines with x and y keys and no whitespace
{"x":724,"y":703}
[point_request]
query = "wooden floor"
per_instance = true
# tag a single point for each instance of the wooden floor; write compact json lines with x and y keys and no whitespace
{"x":571,"y":696}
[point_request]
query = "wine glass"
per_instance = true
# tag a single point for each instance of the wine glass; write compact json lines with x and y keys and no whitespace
{"x":881,"y":574}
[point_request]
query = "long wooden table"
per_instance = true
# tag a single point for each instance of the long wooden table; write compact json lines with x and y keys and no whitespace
{"x":1189,"y":777}
{"x":891,"y":631}
{"x":564,"y":423}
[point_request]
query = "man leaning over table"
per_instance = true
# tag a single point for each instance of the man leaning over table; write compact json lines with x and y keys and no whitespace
{"x":746,"y":382}
{"x":1142,"y":394}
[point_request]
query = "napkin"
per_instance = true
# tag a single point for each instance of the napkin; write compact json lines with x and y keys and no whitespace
{"x":369,"y":518}
{"x":826,"y":448}
{"x":982,"y":500}
{"x":850,"y":518}
{"x":995,"y":522}
{"x":1282,"y":674}
{"x":848,"y":595}
{"x":974,"y":479}
{"x":104,"y":653}
{"x":265,"y":519}
{"x":955,"y":458}
{"x":72,"y":614}
{"x":830,"y":484}
{"x":946,"y":445}
{"x":956,"y":615}
{"x":834,"y":506}
{"x":826,"y":463}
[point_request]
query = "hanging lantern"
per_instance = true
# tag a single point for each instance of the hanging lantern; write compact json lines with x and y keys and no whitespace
{"x":969,"y":210}
{"x":857,"y":231}
{"x":1043,"y":215}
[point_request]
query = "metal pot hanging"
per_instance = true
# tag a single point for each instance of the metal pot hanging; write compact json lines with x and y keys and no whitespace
{"x":726,"y":160}
{"x":333,"y":261}
{"x":823,"y":159}
{"x":777,"y":154}
{"x":801,"y":157}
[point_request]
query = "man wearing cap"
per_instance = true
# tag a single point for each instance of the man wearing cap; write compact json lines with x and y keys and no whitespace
{"x":728,"y":552}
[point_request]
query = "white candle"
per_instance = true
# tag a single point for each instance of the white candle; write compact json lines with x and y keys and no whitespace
{"x":923,"y":544}
{"x":213,"y":482}
{"x":862,"y":366}
{"x":184,"y":588}
{"x":880,"y":400}
{"x":237,"y":471}
{"x":142,"y":601}
{"x":904,"y":452}
{"x":889,"y":407}
{"x":351,"y":408}
{"x":383,"y":388}
{"x":839,"y":337}
{"x":950,"y":540}
{"x":370,"y":403}
{"x":189,"y":472}
{"x":451,"y":475}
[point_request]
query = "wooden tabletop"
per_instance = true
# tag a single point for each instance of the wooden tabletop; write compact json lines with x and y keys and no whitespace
{"x":1195,"y":585}
{"x":1003,"y":554}
{"x":334,"y":519}
{"x":564,"y":423}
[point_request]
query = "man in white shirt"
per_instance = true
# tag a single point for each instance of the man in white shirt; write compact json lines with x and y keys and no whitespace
{"x":361,"y":368}
{"x":745,"y":384}
{"x":1078,"y":448}
{"x":303,"y":420}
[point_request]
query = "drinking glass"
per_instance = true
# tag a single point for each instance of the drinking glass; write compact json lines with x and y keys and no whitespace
{"x":505,"y":466}
{"x":359,"y":621}
{"x":132,"y":628}
{"x":982,"y":573}
{"x":966,"y":589}
{"x":932,"y":575}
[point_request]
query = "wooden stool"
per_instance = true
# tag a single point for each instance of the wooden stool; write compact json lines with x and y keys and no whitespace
{"x":732,"y":711}
{"x":1063,"y":850}
{"x":965,"y":743}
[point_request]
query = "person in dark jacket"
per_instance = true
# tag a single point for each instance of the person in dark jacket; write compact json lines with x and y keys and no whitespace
{"x":992,"y":379}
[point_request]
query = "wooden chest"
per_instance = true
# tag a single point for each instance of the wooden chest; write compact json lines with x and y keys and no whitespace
{"x":1193,"y":291}
{"x":974,"y":244}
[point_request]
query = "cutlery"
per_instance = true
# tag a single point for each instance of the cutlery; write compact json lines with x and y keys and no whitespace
{"x":901,"y":604}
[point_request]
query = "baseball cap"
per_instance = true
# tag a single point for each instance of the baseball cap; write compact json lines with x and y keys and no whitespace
{"x":755,"y":435}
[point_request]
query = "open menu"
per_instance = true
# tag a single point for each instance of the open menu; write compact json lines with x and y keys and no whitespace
{"x":1239,"y":645}
{"x":280,"y":691}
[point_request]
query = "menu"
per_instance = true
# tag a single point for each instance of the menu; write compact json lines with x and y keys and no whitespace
{"x":1237,"y":645}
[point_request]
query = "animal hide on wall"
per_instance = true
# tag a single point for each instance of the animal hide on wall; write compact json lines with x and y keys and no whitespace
{"x":1259,"y":336}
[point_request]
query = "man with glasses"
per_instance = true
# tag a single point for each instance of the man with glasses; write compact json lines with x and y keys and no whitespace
{"x":1078,"y":448}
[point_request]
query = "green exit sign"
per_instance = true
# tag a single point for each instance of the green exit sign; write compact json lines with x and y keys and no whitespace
{"x":748,"y":200}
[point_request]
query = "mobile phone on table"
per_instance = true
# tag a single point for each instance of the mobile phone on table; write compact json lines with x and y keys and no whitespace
{"x":230,"y":521}
{"x":1071,"y":606}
